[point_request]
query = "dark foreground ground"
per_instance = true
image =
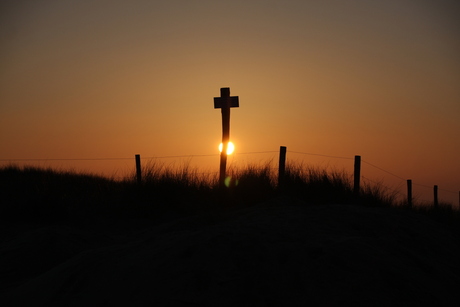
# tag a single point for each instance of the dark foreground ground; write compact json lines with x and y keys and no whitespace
{"x":329,"y":255}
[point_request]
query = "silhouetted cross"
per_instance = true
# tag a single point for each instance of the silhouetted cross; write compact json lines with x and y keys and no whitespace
{"x":221,"y":102}
{"x":225,"y":102}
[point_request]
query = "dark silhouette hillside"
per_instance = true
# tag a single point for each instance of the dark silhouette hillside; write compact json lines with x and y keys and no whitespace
{"x":177,"y":239}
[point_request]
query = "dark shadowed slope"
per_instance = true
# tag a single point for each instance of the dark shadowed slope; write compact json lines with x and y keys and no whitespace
{"x":261,"y":256}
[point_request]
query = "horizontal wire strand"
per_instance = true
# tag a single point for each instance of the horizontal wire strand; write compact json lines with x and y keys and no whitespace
{"x":384,"y":170}
{"x":321,"y":155}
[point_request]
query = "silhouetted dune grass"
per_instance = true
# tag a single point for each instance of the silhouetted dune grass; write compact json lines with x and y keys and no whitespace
{"x":36,"y":194}
{"x":46,"y":194}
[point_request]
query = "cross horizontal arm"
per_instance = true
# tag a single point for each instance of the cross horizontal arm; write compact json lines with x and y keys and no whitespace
{"x":219,"y":102}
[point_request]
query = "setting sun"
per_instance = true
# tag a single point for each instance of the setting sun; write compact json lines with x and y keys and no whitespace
{"x":230,"y":148}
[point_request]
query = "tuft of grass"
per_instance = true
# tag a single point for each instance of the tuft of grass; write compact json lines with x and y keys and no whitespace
{"x":165,"y":189}
{"x":317,"y":186}
{"x":378,"y":195}
{"x":252,"y":184}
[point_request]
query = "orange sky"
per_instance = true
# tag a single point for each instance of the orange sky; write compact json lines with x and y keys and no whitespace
{"x":102,"y":79}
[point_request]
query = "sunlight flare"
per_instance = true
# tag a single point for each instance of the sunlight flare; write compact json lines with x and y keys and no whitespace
{"x":230,"y":148}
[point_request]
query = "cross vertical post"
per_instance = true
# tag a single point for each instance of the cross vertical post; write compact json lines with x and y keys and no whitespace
{"x":225,"y":102}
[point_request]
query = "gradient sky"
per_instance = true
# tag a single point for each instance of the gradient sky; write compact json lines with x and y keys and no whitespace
{"x":102,"y":79}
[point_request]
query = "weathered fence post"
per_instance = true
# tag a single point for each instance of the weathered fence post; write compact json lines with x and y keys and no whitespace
{"x":435,"y":190}
{"x":409,"y":192}
{"x":138,"y":169}
{"x":282,"y":166}
{"x":357,"y":176}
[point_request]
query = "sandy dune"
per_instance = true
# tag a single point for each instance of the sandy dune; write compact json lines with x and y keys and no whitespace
{"x":331,"y":255}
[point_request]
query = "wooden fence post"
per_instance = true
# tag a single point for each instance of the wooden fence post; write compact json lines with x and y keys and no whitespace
{"x":435,"y":190}
{"x":282,"y":166}
{"x":357,"y":176}
{"x":409,"y":192}
{"x":138,"y":169}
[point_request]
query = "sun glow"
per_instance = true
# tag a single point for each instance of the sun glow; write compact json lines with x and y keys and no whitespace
{"x":230,"y":148}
